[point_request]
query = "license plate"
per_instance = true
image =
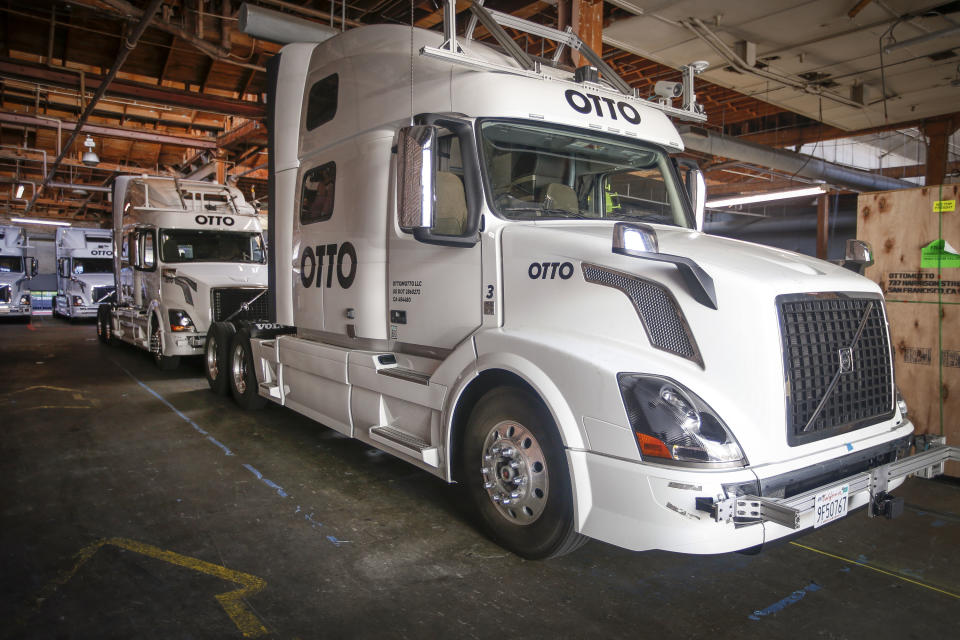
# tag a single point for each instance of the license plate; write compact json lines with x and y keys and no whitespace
{"x":831,"y":505}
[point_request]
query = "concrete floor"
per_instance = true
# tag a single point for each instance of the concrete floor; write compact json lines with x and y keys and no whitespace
{"x":135,"y":504}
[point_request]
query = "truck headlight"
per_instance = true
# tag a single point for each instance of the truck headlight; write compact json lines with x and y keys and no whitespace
{"x":25,"y":299}
{"x":179,"y":320}
{"x":77,"y":301}
{"x":672,"y":423}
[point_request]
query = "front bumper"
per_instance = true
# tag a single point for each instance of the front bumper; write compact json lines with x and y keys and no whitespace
{"x":642,"y":506}
{"x":82,"y":312}
{"x":14,"y":309}
{"x":184,"y":343}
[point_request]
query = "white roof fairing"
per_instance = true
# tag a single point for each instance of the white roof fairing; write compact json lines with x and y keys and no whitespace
{"x":375,"y":90}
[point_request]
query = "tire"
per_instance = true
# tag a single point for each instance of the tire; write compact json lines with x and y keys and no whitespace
{"x":515,"y":471}
{"x":242,"y":375}
{"x":216,"y":357}
{"x":164,"y":363}
{"x":104,"y":326}
{"x":54,"y":312}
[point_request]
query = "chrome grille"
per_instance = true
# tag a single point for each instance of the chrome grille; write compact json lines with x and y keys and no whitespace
{"x":226,"y":303}
{"x":656,"y":307}
{"x":819,"y":334}
{"x":102,"y":294}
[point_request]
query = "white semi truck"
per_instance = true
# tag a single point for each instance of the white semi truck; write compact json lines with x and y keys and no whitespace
{"x":491,"y":269}
{"x":187,"y":253}
{"x":16,"y":270}
{"x":84,"y":271}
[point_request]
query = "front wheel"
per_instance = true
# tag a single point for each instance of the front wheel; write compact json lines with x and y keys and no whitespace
{"x":164,"y":363}
{"x":515,"y":470}
{"x":242,"y":375}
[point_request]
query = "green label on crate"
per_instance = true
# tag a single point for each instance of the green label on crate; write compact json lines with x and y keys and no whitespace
{"x":935,"y":255}
{"x":944,"y":206}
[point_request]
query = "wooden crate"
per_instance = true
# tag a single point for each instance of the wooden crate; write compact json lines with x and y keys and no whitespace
{"x":923,"y":298}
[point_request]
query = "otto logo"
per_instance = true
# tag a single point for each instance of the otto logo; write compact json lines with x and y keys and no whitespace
{"x":342,"y":259}
{"x":101,"y":252}
{"x":550,"y":270}
{"x":213,"y":220}
{"x":603,"y":107}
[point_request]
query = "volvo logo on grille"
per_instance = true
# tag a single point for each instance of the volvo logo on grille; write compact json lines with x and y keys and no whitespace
{"x":846,"y":360}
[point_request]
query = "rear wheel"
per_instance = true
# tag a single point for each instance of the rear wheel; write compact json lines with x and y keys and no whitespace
{"x":243,"y":376}
{"x":164,"y":363}
{"x":216,"y":356}
{"x":515,"y":471}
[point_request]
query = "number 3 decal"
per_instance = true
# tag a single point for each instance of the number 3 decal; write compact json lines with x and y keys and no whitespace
{"x":489,"y":292}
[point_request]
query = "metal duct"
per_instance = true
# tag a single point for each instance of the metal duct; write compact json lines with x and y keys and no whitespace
{"x":281,"y":28}
{"x":717,"y":144}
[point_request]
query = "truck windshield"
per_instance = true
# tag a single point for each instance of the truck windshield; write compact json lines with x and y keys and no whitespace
{"x":181,"y":245}
{"x":11,"y":264}
{"x":92,"y":265}
{"x":540,"y":172}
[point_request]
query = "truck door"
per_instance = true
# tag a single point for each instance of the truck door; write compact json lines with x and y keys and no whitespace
{"x":434,"y":291}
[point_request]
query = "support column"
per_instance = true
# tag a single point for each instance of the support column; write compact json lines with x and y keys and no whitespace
{"x":823,"y":225}
{"x":938,"y":131}
{"x":587,"y":21}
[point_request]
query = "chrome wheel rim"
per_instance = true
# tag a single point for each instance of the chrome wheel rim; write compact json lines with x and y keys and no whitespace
{"x":213,"y":367}
{"x":239,"y":369}
{"x":514,"y":473}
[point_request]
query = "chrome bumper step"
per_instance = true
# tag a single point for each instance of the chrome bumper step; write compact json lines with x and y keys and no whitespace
{"x":788,"y":511}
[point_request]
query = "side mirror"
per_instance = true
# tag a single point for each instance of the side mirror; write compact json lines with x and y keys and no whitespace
{"x":697,"y":188}
{"x":416,"y":171}
{"x":33,"y":267}
{"x":858,"y":256}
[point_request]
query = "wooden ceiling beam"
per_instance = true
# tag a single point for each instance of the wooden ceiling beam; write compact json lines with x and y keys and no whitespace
{"x":126,"y":133}
{"x":128,"y":89}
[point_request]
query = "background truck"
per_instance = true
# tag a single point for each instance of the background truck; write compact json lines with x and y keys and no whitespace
{"x":187,"y":254}
{"x":16,"y":270}
{"x":492,"y":269}
{"x":84,"y":271}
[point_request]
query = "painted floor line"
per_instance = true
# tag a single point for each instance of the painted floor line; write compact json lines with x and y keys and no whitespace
{"x":273,"y":485}
{"x":166,"y":402}
{"x":266,"y":481}
{"x":878,"y":570}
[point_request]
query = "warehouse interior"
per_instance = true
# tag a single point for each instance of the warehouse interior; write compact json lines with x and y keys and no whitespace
{"x":138,"y":504}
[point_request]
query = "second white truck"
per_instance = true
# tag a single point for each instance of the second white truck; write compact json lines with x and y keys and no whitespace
{"x":84,"y":271}
{"x":187,"y":254}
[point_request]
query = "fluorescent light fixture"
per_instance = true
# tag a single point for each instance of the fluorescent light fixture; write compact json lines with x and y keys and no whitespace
{"x":766,"y":197}
{"x":55,"y":223}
